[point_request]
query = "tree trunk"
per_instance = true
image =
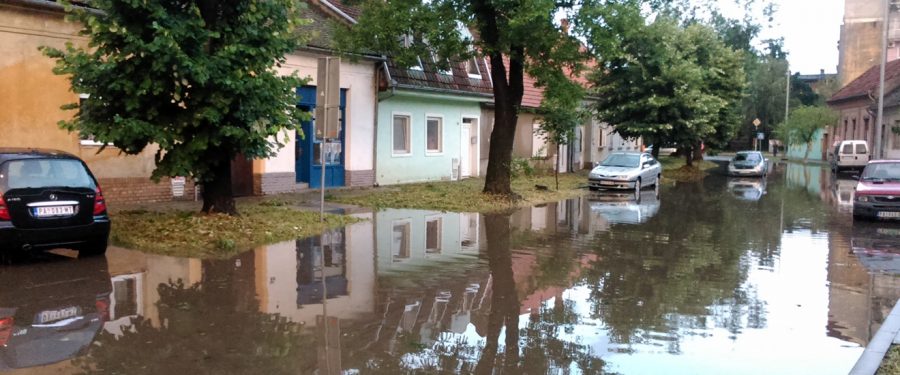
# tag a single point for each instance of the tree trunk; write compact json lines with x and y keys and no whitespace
{"x":806,"y":154}
{"x":217,"y":194}
{"x":698,"y":151}
{"x":689,"y":156}
{"x":556,"y":172}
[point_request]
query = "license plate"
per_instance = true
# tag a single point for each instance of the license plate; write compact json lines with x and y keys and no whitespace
{"x":888,"y":214}
{"x":607,"y":183}
{"x":54,"y":211}
{"x":49,"y":316}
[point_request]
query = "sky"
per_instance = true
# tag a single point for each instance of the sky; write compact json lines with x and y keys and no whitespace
{"x":810,"y":28}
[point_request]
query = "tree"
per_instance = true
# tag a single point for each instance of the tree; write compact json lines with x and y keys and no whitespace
{"x":562,"y":113}
{"x":517,"y":37}
{"x":195,"y":77}
{"x":669,"y":84}
{"x":803,"y":125}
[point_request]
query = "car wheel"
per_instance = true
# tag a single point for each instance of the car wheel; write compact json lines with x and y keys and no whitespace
{"x":593,"y":188}
{"x":93,"y":248}
{"x":658,"y":177}
{"x":637,"y":187}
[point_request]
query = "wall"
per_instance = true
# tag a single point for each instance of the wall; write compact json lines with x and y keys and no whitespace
{"x":421,"y":166}
{"x":859,"y":47}
{"x":358,"y":78}
{"x":32,"y":95}
{"x":797,"y":152}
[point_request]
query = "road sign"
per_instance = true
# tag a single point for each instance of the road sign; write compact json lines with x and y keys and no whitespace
{"x":328,"y":96}
{"x":760,"y":136}
{"x":756,"y":123}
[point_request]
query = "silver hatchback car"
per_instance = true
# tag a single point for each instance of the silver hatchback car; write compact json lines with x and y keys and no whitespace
{"x":625,"y":170}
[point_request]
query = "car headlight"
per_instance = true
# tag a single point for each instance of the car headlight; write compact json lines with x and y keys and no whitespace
{"x":862,"y":198}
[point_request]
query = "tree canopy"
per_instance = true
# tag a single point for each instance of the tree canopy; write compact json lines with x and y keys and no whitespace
{"x":669,"y":83}
{"x":803,"y":124}
{"x":195,"y":77}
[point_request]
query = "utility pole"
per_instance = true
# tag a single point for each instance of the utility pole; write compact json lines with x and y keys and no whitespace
{"x":884,"y":39}
{"x":787,"y":98}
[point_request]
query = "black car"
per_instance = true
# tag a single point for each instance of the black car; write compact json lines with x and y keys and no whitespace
{"x":49,"y":199}
{"x":52,"y":309}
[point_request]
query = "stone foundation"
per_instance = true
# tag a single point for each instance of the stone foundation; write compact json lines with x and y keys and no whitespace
{"x":274,"y":183}
{"x":359,"y":178}
{"x":142,"y":190}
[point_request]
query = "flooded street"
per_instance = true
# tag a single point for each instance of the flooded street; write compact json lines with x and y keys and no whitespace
{"x":727,"y":276}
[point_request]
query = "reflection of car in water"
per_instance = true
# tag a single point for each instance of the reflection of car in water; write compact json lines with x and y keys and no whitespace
{"x":842,"y":191}
{"x":877,"y":246}
{"x":625,"y":208}
{"x":749,"y":189}
{"x":51,"y":310}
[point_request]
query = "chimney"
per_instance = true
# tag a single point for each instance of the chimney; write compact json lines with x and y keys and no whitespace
{"x":822,"y":74}
{"x":564,"y":24}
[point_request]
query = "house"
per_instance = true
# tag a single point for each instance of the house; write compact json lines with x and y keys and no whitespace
{"x":350,"y":157}
{"x":856,"y":104}
{"x":594,"y":140}
{"x":860,"y":41}
{"x":32,"y":95}
{"x":430,"y":120}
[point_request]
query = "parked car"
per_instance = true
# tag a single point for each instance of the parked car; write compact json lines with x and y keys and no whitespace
{"x":52,"y":309}
{"x":877,"y":194}
{"x":625,"y":170}
{"x":49,"y":199}
{"x":850,"y":155}
{"x":748,"y":163}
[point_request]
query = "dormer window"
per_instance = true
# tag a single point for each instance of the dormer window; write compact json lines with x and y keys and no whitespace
{"x":472,"y":68}
{"x":434,"y":58}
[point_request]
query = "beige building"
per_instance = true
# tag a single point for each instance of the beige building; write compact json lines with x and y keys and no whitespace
{"x":860,"y":44}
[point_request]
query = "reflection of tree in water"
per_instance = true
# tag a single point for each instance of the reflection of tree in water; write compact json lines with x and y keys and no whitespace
{"x":683,"y":270}
{"x":539,"y":346}
{"x":204,"y":329}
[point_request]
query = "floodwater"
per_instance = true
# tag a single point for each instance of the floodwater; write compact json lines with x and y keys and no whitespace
{"x":727,"y":276}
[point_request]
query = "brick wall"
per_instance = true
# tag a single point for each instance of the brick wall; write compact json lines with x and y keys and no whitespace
{"x":360,"y":178}
{"x":142,"y":190}
{"x":274,"y":183}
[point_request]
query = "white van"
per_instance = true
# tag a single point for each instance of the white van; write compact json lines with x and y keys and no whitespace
{"x":850,"y":155}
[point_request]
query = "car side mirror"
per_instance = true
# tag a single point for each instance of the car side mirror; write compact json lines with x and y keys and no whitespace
{"x":855,"y":177}
{"x":645,"y":165}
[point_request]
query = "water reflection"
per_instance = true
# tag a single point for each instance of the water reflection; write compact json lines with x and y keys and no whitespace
{"x":750,"y":189}
{"x":692,"y":279}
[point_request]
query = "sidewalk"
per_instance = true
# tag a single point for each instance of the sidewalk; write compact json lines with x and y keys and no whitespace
{"x":886,"y":336}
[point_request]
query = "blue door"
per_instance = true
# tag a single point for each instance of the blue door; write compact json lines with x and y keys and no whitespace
{"x":310,"y":150}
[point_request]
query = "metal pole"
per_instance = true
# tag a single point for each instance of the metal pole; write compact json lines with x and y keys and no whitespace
{"x":787,"y":97}
{"x":324,"y":140}
{"x":879,"y":123}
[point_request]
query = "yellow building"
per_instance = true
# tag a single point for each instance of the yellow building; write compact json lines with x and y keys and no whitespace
{"x":32,"y":95}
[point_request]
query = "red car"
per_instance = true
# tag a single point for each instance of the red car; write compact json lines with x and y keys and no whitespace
{"x":878,"y":191}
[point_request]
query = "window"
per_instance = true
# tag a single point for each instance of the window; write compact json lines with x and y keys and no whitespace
{"x":437,"y":60}
{"x":538,"y":143}
{"x":434,"y":129}
{"x":472,"y":68}
{"x":861,"y":149}
{"x":401,"y":135}
{"x":400,"y":243}
{"x":848,"y":149}
{"x":433,"y":236}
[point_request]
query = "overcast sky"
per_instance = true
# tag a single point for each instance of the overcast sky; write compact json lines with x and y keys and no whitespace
{"x":811,"y":29}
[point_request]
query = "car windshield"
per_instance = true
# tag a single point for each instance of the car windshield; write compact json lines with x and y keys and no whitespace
{"x":881,"y":172}
{"x":747,"y":157}
{"x":41,"y":173}
{"x":622,"y":160}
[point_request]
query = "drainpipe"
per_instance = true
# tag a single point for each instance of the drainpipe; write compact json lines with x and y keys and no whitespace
{"x":387,"y":75}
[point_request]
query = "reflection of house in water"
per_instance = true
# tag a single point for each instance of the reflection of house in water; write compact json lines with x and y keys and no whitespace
{"x":408,"y":239}
{"x":859,"y":298}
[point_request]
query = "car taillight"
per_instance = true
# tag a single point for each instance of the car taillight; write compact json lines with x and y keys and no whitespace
{"x":6,"y":327}
{"x":102,"y":304}
{"x":4,"y":210}
{"x":99,"y":203}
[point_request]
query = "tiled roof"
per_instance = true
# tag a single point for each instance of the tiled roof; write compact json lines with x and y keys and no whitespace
{"x":430,"y":79}
{"x":532,"y":95}
{"x":867,"y":84}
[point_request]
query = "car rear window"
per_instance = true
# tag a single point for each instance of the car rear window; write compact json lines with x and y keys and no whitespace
{"x":41,"y":173}
{"x":860,"y":148}
{"x":848,"y":149}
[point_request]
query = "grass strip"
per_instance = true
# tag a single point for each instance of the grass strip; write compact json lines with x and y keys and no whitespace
{"x":191,"y":234}
{"x":466,"y":195}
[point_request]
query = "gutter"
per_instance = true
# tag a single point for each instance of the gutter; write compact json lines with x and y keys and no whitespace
{"x":443,"y":91}
{"x":49,"y":5}
{"x":338,"y":11}
{"x":328,"y":51}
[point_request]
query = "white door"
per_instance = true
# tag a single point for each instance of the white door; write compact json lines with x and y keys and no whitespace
{"x":465,"y":161}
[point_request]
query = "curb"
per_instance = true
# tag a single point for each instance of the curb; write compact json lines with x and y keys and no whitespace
{"x":871,"y":358}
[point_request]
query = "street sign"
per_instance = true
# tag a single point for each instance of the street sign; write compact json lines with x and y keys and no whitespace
{"x":328,"y":96}
{"x":756,"y":123}
{"x":760,"y":136}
